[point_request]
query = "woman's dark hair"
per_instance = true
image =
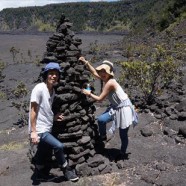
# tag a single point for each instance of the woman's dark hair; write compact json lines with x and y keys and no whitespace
{"x":44,"y":75}
{"x":101,"y":82}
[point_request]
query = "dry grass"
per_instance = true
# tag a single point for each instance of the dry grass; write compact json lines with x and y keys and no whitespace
{"x":112,"y":179}
{"x":13,"y":146}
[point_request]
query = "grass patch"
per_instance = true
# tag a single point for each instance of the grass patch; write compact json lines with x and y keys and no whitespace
{"x":3,"y":96}
{"x":13,"y":146}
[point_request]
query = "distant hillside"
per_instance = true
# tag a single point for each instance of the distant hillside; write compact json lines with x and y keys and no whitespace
{"x":124,"y":15}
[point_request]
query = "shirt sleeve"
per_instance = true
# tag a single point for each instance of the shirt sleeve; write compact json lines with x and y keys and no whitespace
{"x":36,"y":95}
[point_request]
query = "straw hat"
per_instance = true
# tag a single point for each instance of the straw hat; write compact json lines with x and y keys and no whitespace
{"x":107,"y":66}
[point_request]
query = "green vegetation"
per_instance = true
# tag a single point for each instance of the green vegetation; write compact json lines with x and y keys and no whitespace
{"x":2,"y":95}
{"x":19,"y":56}
{"x":124,"y":15}
{"x":14,"y":53}
{"x":12,"y":146}
{"x":161,"y":14}
{"x":85,"y":16}
{"x":152,"y":76}
{"x":20,"y":92}
{"x":2,"y":66}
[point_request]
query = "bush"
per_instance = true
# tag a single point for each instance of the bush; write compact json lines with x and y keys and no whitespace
{"x":150,"y":77}
{"x":22,"y":104}
{"x":2,"y":66}
{"x":2,"y":95}
{"x":20,"y":91}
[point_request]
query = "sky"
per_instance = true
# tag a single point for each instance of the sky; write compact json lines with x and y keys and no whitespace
{"x":25,"y":3}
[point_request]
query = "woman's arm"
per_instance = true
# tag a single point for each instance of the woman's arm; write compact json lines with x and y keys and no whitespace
{"x":33,"y":116}
{"x":90,"y":67}
{"x":109,"y":86}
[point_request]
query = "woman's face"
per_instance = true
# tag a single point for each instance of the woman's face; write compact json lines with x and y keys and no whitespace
{"x":52,"y":77}
{"x":103,"y":75}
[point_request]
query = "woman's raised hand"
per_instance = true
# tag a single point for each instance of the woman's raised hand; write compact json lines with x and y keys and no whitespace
{"x":82,"y":59}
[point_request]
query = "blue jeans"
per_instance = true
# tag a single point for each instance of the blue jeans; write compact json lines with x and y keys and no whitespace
{"x":47,"y":144}
{"x":103,"y":119}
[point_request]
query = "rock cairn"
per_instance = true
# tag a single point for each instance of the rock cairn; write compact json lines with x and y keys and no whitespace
{"x":78,"y":131}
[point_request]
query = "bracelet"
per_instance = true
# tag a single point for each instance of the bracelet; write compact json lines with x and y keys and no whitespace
{"x":86,"y":63}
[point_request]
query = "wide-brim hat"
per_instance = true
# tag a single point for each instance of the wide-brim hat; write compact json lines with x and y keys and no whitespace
{"x":107,"y":66}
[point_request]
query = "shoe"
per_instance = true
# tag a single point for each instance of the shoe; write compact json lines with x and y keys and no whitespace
{"x":121,"y":156}
{"x":70,"y":175}
{"x":106,"y":138}
{"x":103,"y":138}
{"x":44,"y":175}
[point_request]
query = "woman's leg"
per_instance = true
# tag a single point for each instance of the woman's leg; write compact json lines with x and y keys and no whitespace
{"x":103,"y":119}
{"x":44,"y":152}
{"x":49,"y":140}
{"x":124,"y":139}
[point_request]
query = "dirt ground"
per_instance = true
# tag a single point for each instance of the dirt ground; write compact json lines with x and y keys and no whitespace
{"x":153,"y":160}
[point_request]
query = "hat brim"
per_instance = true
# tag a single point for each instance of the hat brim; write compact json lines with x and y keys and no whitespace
{"x":106,"y":68}
{"x":46,"y":70}
{"x":52,"y":66}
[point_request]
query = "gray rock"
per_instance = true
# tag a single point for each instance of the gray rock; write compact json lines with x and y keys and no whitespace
{"x":182,"y":131}
{"x":96,"y":161}
{"x":146,"y":132}
{"x":84,"y":140}
{"x":83,"y":169}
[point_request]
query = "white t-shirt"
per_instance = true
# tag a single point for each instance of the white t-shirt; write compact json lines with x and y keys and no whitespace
{"x":44,"y":121}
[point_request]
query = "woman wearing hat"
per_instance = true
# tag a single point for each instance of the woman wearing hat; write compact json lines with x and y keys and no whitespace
{"x":121,"y":111}
{"x":41,"y":119}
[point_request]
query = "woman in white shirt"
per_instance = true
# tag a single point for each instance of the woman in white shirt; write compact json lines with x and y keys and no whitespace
{"x":41,"y":119}
{"x":121,"y":112}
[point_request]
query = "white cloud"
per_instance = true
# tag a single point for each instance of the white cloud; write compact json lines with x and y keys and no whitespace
{"x":25,"y":3}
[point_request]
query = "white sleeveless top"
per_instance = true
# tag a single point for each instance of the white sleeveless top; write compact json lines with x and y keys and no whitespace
{"x":123,"y":115}
{"x":116,"y":97}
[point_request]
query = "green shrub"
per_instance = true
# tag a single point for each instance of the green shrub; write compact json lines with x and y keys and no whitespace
{"x":20,"y":91}
{"x":150,"y":77}
{"x":14,"y":53}
{"x":2,"y":95}
{"x":2,"y":66}
{"x":22,"y":104}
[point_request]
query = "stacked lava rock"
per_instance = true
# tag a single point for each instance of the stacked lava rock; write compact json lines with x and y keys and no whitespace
{"x":78,"y":130}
